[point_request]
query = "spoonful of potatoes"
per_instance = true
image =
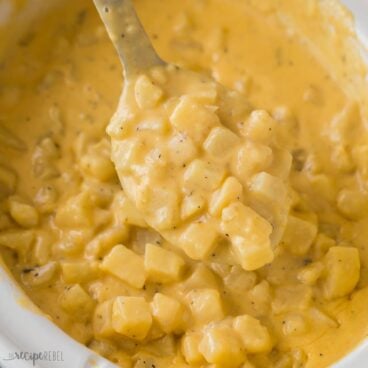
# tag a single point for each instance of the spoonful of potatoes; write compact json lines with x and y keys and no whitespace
{"x":205,"y":170}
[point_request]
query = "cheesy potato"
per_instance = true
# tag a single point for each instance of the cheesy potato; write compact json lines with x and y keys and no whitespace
{"x":219,"y":218}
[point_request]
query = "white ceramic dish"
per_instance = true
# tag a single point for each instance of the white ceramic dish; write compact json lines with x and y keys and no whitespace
{"x":23,"y":330}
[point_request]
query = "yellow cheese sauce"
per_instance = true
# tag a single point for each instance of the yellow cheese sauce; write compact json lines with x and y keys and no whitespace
{"x":85,"y":254}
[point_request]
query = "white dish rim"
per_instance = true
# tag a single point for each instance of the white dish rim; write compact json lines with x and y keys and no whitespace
{"x":15,"y":318}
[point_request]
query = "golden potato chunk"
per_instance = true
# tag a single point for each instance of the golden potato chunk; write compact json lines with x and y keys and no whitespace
{"x":199,"y":239}
{"x":190,"y":347}
{"x":168,"y":312}
{"x":255,"y":337}
{"x":198,"y":128}
{"x":125,"y":265}
{"x":220,"y":143}
{"x":23,"y":213}
{"x":310,"y":274}
{"x":203,"y":175}
{"x":76,"y":301}
{"x":162,"y":265}
{"x":125,"y":212}
{"x":206,"y":305}
{"x":81,"y":271}
{"x":342,"y":266}
{"x":231,"y":191}
{"x":131,"y":317}
{"x":20,"y":240}
{"x":147,"y":94}
{"x":299,"y":235}
{"x":260,"y":127}
{"x":221,"y":346}
{"x":76,"y":212}
{"x":159,"y":203}
{"x":192,"y":204}
{"x":102,"y":320}
{"x":249,"y":159}
{"x":249,"y":234}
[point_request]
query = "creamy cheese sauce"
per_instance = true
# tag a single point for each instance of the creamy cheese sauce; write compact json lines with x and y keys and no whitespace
{"x":85,"y":254}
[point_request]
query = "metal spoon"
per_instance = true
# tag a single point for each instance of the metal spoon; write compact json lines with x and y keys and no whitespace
{"x":139,"y":57}
{"x":128,"y":36}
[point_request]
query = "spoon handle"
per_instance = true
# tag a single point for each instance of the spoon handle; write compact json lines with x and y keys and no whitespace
{"x":128,"y":36}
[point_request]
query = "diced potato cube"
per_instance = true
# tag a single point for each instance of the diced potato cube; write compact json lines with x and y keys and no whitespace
{"x":79,"y":272}
{"x":268,"y":189}
{"x":98,"y":166}
{"x":205,"y":92}
{"x":102,"y":217}
{"x":352,"y":203}
{"x":76,"y":301}
{"x":121,"y":123}
{"x":299,"y":235}
{"x":324,"y":185}
{"x":254,"y":336}
{"x":160,"y":204}
{"x":155,"y":123}
{"x":168,"y":312}
{"x":230,"y":191}
{"x":342,"y":266}
{"x":17,"y":239}
{"x":190,"y":347}
{"x":102,"y":320}
{"x":193,"y":119}
{"x":205,"y":305}
{"x":202,"y":277}
{"x":310,"y":274}
{"x":42,"y":248}
{"x":249,"y":234}
{"x":75,"y":213}
{"x":260,"y":297}
{"x":220,"y":142}
{"x":221,"y":346}
{"x":182,"y":149}
{"x":322,"y":244}
{"x":125,"y":153}
{"x":165,"y":346}
{"x":281,"y":163}
{"x":125,"y":212}
{"x":105,"y":240}
{"x":192,"y":204}
{"x":238,"y":281}
{"x":203,"y":175}
{"x":251,"y":255}
{"x":250,"y":159}
{"x":73,"y":242}
{"x":292,"y":298}
{"x":238,"y":219}
{"x":101,"y":194}
{"x":131,"y":317}
{"x":260,"y":127}
{"x":162,"y":265}
{"x":199,"y":239}
{"x":24,"y":214}
{"x":147,"y":94}
{"x":40,"y":275}
{"x":126,"y":265}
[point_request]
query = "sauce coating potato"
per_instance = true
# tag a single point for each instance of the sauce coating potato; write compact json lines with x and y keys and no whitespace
{"x":239,"y":236}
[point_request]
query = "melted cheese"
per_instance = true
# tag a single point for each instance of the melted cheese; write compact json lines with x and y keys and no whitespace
{"x":88,"y":257}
